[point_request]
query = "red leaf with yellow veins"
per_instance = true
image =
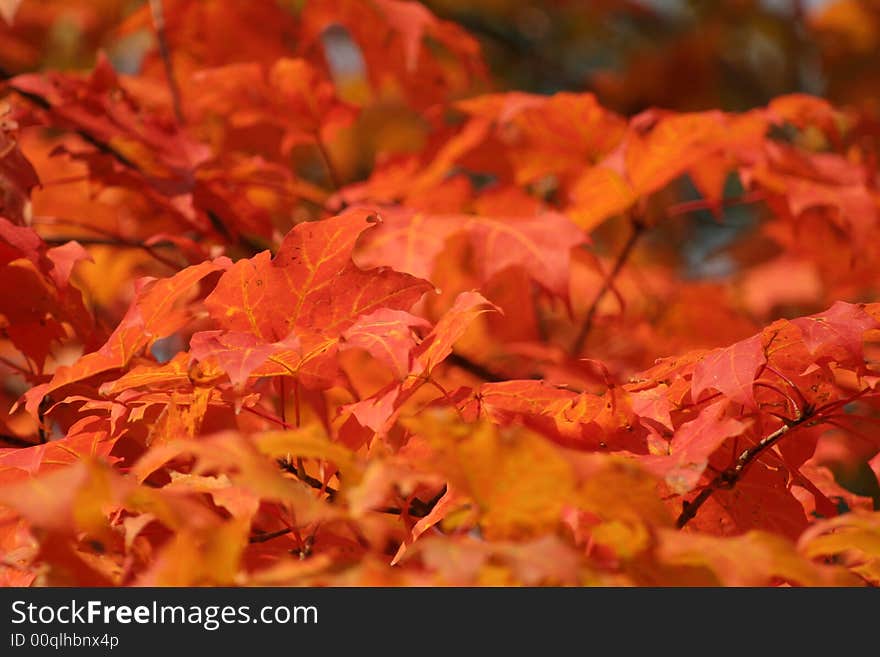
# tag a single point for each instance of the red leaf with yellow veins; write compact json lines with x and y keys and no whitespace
{"x":237,"y":353}
{"x":172,"y":374}
{"x":387,"y":334}
{"x":153,"y":314}
{"x":311,"y":284}
{"x":438,"y":344}
{"x":407,"y":241}
{"x":540,"y":244}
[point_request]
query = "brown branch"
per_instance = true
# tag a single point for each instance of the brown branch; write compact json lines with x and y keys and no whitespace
{"x":306,"y":478}
{"x":728,"y":478}
{"x":262,"y":537}
{"x":104,"y":147}
{"x":15,"y":441}
{"x":122,"y":244}
{"x":478,"y":370}
{"x":417,"y":508}
{"x":637,"y":229}
{"x":165,"y":52}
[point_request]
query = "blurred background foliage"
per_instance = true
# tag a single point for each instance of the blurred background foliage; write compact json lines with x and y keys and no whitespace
{"x":683,"y":55}
{"x":680,"y":54}
{"x":677,"y":54}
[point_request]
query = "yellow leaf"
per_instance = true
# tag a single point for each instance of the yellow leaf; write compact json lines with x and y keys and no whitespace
{"x":308,"y":442}
{"x":519,"y":480}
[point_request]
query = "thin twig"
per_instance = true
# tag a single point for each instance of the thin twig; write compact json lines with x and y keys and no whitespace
{"x":122,"y":244}
{"x":332,"y":174}
{"x":417,"y":508}
{"x":165,"y":52}
{"x":478,"y":370}
{"x":267,"y":416}
{"x":795,"y":409}
{"x":13,"y":366}
{"x":104,"y":147}
{"x":637,"y":229}
{"x":728,"y":478}
{"x":686,"y":207}
{"x":15,"y":441}
{"x":268,"y":536}
{"x":787,"y":381}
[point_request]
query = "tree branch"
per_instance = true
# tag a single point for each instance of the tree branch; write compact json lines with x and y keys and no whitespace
{"x":577,"y":345}
{"x":165,"y":52}
{"x":15,"y":441}
{"x":262,"y":537}
{"x":728,"y":478}
{"x":417,"y":508}
{"x":478,"y":370}
{"x":42,"y":103}
{"x":123,"y":244}
{"x":332,"y":173}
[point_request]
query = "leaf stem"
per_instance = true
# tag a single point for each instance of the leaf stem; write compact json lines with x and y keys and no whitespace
{"x":165,"y":52}
{"x":795,"y":408}
{"x":332,"y":174}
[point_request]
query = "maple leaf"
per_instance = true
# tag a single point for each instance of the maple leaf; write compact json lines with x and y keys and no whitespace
{"x":853,"y":538}
{"x":657,"y":148}
{"x":841,"y":327}
{"x":43,"y":300}
{"x":390,"y":36}
{"x":540,"y":245}
{"x":731,"y":371}
{"x":771,"y":557}
{"x":17,"y":175}
{"x":102,"y":111}
{"x":692,"y":445}
{"x":238,"y":353}
{"x":517,"y":479}
{"x":377,"y":411}
{"x":762,"y":499}
{"x":426,"y":439}
{"x":549,"y":136}
{"x":311,"y":284}
{"x":387,"y":335}
{"x":18,"y":242}
{"x":151,"y":316}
